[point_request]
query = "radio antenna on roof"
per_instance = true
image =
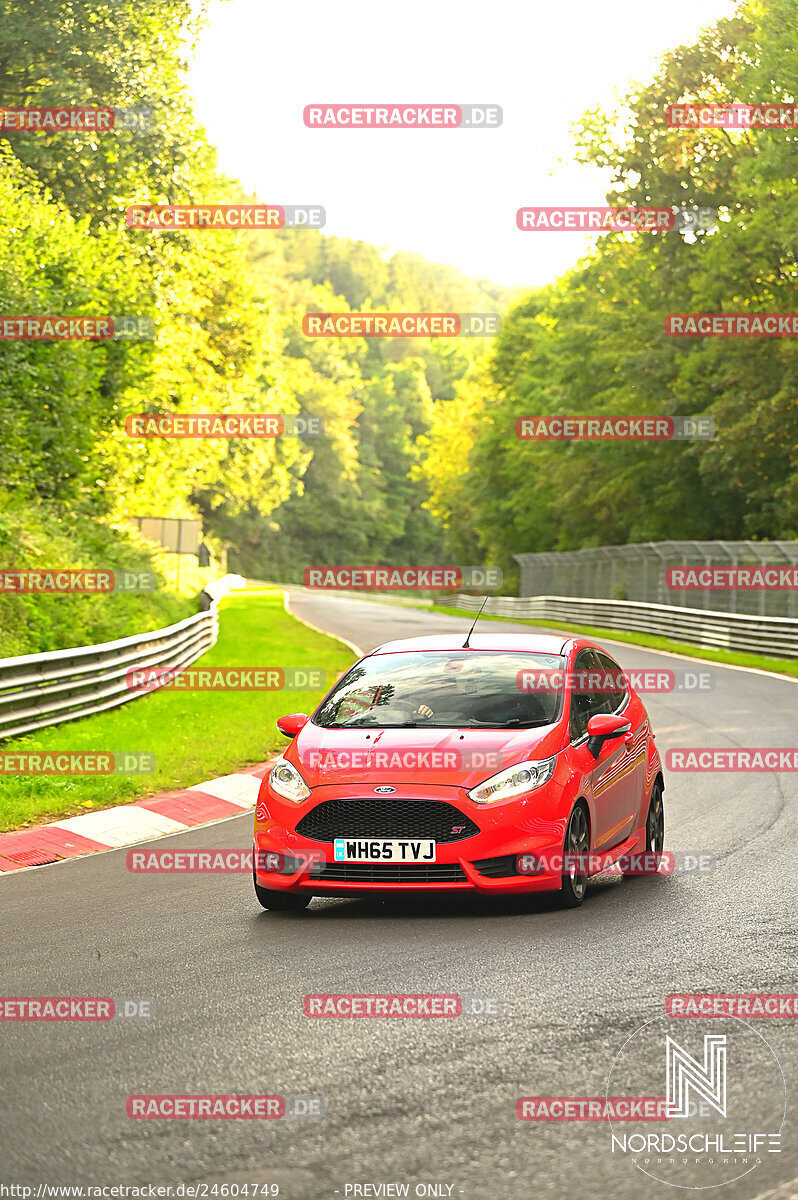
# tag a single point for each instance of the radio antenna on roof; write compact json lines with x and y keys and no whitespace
{"x":465,"y":645}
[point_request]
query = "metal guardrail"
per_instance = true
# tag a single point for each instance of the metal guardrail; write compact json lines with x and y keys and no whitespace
{"x":37,"y":690}
{"x":777,"y":636}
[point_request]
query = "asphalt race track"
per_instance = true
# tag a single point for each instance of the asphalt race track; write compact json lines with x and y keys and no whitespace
{"x":407,"y":1100}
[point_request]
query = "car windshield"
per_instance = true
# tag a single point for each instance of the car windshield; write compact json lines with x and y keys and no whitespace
{"x":447,"y":689}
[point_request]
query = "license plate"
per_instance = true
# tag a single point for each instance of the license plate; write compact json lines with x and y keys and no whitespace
{"x":378,"y":850}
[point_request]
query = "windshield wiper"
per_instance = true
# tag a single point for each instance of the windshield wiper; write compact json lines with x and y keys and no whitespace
{"x":506,"y":724}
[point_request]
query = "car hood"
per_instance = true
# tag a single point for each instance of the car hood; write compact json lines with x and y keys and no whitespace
{"x":447,"y":757}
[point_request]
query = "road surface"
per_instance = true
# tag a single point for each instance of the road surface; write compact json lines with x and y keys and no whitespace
{"x":420,"y":1102}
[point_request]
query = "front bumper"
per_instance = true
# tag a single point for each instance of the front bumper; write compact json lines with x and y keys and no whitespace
{"x":483,"y":862}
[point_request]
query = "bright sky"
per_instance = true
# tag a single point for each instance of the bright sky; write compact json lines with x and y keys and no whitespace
{"x":450,"y":195}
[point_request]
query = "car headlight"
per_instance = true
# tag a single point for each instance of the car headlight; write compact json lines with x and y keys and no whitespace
{"x":515,"y":781}
{"x":286,"y":781}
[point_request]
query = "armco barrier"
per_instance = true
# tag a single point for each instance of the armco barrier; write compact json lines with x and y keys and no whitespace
{"x":37,"y":690}
{"x":777,"y":636}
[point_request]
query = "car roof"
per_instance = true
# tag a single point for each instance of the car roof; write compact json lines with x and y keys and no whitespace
{"x":528,"y":643}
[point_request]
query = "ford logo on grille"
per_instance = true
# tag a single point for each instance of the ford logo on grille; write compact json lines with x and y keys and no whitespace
{"x":383,"y":790}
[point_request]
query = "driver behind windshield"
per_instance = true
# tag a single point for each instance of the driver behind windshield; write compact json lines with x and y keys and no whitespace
{"x":460,"y":677}
{"x":470,"y":688}
{"x":464,"y":688}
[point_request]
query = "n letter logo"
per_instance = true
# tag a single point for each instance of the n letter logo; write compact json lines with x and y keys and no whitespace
{"x":685,"y":1073}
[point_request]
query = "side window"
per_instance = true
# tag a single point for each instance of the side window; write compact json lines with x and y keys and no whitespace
{"x":586,"y":701}
{"x":617,"y":697}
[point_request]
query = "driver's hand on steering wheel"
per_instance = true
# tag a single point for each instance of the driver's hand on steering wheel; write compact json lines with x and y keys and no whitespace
{"x":424,"y":710}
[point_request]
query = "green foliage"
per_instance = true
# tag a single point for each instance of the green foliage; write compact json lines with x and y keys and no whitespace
{"x":361,"y":493}
{"x":105,"y":53}
{"x":594,"y":343}
{"x":39,"y":536}
{"x":419,"y":461}
{"x":227,"y":308}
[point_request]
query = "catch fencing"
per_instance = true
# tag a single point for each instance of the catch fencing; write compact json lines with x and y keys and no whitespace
{"x":637,"y":572}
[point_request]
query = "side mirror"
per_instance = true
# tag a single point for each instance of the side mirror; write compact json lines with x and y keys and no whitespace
{"x":292,"y":724}
{"x":603,"y":728}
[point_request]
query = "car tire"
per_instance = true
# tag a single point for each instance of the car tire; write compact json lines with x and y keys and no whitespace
{"x":280,"y":901}
{"x":655,"y":827}
{"x":577,"y":841}
{"x":655,"y":821}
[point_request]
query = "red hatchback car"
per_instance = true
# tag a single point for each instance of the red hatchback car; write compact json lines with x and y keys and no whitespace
{"x":507,"y":764}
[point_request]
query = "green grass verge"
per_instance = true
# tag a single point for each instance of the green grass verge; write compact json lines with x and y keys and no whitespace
{"x":193,"y":735}
{"x":35,"y":536}
{"x":779,"y":666}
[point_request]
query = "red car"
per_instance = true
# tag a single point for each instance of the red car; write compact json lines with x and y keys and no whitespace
{"x":501,"y":764}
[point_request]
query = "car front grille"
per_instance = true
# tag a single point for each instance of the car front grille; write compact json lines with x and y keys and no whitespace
{"x":391,"y":873}
{"x":384,"y":817}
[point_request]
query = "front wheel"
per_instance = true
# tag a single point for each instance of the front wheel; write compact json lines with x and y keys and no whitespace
{"x":280,"y":901}
{"x":577,"y":842}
